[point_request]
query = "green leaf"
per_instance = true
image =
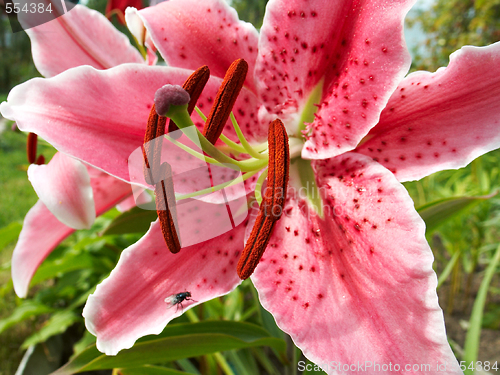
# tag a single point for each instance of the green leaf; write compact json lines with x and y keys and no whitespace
{"x":58,"y":323}
{"x":447,"y":270}
{"x":437,"y":212}
{"x":135,"y":220}
{"x":471,"y":348}
{"x":175,"y":342}
{"x":69,"y":262}
{"x":150,"y":370}
{"x":9,"y":233}
{"x":22,"y":312}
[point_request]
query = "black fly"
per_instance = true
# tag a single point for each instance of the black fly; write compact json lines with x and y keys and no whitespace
{"x":177,"y":299}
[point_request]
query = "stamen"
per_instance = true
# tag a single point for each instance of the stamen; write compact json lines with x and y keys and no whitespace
{"x":278,"y":170}
{"x":194,"y":85}
{"x":31,"y":145}
{"x":225,"y":99}
{"x":152,"y":145}
{"x":40,"y":160}
{"x":166,"y":209}
{"x":256,"y":245}
{"x":273,"y":203}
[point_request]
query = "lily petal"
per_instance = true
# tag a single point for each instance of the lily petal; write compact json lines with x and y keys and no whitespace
{"x":190,"y":34}
{"x":42,"y":232}
{"x":80,"y":37}
{"x":206,"y":270}
{"x":63,"y":186}
{"x":440,"y":120}
{"x":342,"y":43}
{"x":104,"y":121}
{"x":343,"y":289}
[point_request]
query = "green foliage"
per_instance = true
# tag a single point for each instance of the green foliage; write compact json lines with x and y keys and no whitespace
{"x":16,"y":65}
{"x":58,"y":323}
{"x":177,"y":341}
{"x":452,"y":24}
{"x":25,"y":310}
{"x":462,"y":211}
{"x":250,"y":10}
{"x":14,"y":182}
{"x":9,"y":233}
{"x":438,"y":212}
{"x":133,"y":221}
{"x":474,"y":332}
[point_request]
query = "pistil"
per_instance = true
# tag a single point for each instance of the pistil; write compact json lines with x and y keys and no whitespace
{"x":194,"y":86}
{"x":170,"y":101}
{"x":273,"y":202}
{"x":161,"y":176}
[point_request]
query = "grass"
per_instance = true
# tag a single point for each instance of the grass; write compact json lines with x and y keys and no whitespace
{"x":17,"y":194}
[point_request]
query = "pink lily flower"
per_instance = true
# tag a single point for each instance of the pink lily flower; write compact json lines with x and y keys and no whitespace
{"x":351,"y":278}
{"x":71,"y":195}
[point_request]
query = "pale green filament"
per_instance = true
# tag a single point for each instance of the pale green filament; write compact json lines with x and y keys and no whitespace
{"x":233,"y":146}
{"x":259,"y":153}
{"x":181,"y":117}
{"x":203,"y":117}
{"x":215,"y":188}
{"x":244,"y":142}
{"x":244,"y":147}
{"x":258,"y":186}
{"x":190,"y":151}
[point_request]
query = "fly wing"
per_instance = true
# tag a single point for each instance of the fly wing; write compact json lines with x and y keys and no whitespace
{"x":171,"y":301}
